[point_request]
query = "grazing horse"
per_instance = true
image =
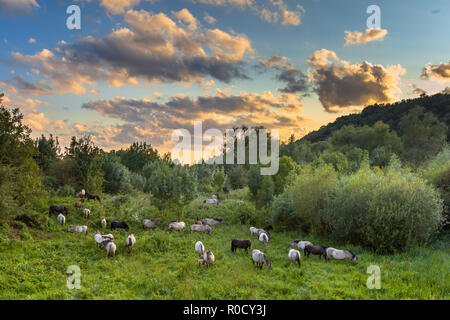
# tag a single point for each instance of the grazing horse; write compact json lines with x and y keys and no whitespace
{"x":119,"y":225}
{"x":201,"y":228}
{"x":263,"y":238}
{"x":79,"y":203}
{"x":200,"y":248}
{"x":240,"y":244}
{"x":103,"y":222}
{"x":208,"y":258}
{"x":103,"y":239}
{"x":177,"y":225}
{"x":79,"y":229}
{"x":150,"y":223}
{"x":212,"y":222}
{"x":316,"y":250}
{"x":301,"y":245}
{"x":82,"y":193}
{"x":87,"y":213}
{"x":294,"y":256}
{"x":93,"y":197}
{"x":62,"y":219}
{"x":211,"y":201}
{"x":341,"y":254}
{"x":260,"y":259}
{"x":131,"y":240}
{"x":111,"y":249}
{"x":58,"y":209}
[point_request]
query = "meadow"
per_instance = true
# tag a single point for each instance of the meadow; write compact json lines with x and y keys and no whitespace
{"x":164,"y":265}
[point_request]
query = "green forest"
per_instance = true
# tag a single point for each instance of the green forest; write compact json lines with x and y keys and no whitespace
{"x":376,"y":182}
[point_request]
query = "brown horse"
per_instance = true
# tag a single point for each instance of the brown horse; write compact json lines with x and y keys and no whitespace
{"x":79,"y":203}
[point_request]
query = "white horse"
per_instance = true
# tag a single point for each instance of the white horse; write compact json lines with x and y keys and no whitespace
{"x":264,"y":238}
{"x":294,"y":256}
{"x":61,"y":219}
{"x":201,"y":228}
{"x":200,"y":248}
{"x":253,"y":231}
{"x":341,"y":254}
{"x":111,"y":249}
{"x":103,"y":239}
{"x":260,"y":259}
{"x":131,"y":240}
{"x":79,"y":229}
{"x":86,"y":213}
{"x":177,"y":226}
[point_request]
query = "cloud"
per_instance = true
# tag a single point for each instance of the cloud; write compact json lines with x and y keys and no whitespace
{"x":120,"y":6}
{"x":295,"y":79}
{"x":31,"y":89}
{"x":446,"y":90}
{"x":272,"y":11}
{"x":341,"y":85}
{"x":209,"y":19}
{"x":417,"y":90}
{"x":31,"y":40}
{"x":154,"y":48}
{"x":18,"y":6}
{"x":155,"y":121}
{"x":440,"y":72}
{"x":356,"y":37}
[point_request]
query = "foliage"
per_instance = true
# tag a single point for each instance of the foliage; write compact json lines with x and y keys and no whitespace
{"x":117,"y":177}
{"x":47,"y":152}
{"x":384,"y":211}
{"x":171,"y":186}
{"x":299,"y":205}
{"x":437,"y":172}
{"x":88,"y":160}
{"x":423,"y":135}
{"x":236,"y":177}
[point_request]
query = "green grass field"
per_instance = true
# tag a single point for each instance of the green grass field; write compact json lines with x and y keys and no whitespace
{"x":164,"y":265}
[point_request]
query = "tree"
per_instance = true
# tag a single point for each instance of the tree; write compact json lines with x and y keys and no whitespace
{"x":137,"y":156}
{"x":286,"y":165}
{"x":219,"y":179}
{"x":16,"y":146}
{"x":117,"y":177}
{"x":254,"y":180}
{"x":171,"y":187}
{"x":47,"y":152}
{"x":88,"y":159}
{"x":237,"y":177}
{"x":267,"y":190}
{"x":423,"y":135}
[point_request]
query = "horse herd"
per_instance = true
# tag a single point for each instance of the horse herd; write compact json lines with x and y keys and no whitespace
{"x":203,"y":226}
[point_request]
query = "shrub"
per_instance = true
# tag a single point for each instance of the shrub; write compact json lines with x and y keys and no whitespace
{"x":437,"y":172}
{"x":65,"y":191}
{"x":299,"y":205}
{"x":384,"y":211}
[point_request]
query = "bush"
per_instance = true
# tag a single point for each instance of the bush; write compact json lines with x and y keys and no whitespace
{"x":299,"y":205}
{"x":65,"y":191}
{"x":437,"y":172}
{"x":384,"y":211}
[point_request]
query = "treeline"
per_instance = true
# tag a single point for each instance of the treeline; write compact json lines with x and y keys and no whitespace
{"x":382,"y":185}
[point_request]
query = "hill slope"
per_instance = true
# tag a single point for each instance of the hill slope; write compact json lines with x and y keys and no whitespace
{"x":390,"y":114}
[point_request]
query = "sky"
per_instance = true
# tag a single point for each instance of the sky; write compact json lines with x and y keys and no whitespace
{"x":138,"y":70}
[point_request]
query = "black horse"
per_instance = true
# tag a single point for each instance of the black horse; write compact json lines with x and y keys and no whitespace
{"x":240,"y":244}
{"x":119,"y":225}
{"x":58,"y":209}
{"x":93,"y":197}
{"x":316,"y":250}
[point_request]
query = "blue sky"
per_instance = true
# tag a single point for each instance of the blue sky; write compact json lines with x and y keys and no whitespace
{"x":231,"y":82}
